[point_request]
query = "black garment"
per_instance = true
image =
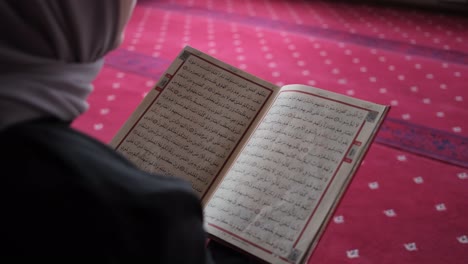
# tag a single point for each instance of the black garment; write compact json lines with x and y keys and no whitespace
{"x":65,"y":194}
{"x":226,"y":255}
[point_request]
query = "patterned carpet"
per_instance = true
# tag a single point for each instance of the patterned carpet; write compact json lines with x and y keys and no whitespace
{"x":409,"y":200}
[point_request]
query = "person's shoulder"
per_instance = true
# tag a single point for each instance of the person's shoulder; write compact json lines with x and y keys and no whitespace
{"x":60,"y":149}
{"x":50,"y":137}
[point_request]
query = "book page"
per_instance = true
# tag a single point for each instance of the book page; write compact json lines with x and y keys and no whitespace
{"x":291,"y":173}
{"x":189,"y":125}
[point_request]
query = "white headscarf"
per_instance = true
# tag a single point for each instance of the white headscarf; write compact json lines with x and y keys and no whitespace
{"x":51,"y":51}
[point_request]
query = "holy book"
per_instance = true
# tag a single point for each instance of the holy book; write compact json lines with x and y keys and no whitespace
{"x":269,"y":163}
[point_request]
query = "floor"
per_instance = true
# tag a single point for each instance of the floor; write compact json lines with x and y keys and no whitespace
{"x":408,"y":202}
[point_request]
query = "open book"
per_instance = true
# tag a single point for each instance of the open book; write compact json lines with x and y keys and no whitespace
{"x":269,"y":163}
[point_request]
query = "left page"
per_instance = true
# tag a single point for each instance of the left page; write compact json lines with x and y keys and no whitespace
{"x":191,"y":123}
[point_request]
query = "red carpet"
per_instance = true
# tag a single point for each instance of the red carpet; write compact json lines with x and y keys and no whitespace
{"x":409,"y":201}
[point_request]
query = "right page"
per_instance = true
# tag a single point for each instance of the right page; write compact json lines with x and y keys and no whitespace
{"x":289,"y":177}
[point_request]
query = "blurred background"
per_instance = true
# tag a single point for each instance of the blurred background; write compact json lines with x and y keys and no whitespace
{"x":408,"y":202}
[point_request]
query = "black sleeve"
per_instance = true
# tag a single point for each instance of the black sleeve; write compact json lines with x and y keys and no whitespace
{"x":224,"y":254}
{"x":65,"y":195}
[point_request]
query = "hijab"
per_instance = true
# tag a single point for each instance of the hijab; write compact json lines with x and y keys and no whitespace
{"x":51,"y":51}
